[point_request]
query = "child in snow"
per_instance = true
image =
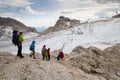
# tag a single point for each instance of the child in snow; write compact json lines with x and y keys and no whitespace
{"x":32,"y":48}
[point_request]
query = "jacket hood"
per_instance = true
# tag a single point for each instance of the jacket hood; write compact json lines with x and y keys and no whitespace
{"x":33,"y":42}
{"x":44,"y":46}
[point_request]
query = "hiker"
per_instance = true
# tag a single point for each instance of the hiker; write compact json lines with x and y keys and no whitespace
{"x":19,"y":45}
{"x":32,"y":48}
{"x":48,"y":54}
{"x":44,"y":52}
{"x":18,"y":42}
{"x":60,"y":55}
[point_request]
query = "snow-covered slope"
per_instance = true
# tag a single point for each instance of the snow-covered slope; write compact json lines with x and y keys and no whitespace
{"x":98,"y":33}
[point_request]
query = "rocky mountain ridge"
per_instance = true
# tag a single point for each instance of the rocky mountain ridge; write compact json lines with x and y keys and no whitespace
{"x":15,"y":25}
{"x":62,"y":24}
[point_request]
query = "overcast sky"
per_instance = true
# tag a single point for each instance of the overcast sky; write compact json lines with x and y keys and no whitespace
{"x":45,"y":13}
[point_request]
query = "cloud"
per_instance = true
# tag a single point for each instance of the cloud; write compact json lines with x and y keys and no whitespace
{"x":84,"y":13}
{"x":15,"y":3}
{"x":29,"y":10}
{"x":65,"y":4}
{"x":6,"y":14}
{"x":74,"y":10}
{"x":91,"y":1}
{"x":60,"y":0}
{"x":36,"y":21}
{"x":73,"y":0}
{"x":76,"y":1}
{"x":80,"y":13}
{"x":101,"y":14}
{"x":110,"y":10}
{"x":107,"y":1}
{"x":66,"y":12}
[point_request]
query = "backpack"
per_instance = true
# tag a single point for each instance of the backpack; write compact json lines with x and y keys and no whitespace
{"x":30,"y":47}
{"x":15,"y":38}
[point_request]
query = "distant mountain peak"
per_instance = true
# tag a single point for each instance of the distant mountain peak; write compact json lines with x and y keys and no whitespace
{"x":63,"y":23}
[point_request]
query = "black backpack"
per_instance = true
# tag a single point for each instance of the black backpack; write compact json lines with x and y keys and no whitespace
{"x":15,"y":37}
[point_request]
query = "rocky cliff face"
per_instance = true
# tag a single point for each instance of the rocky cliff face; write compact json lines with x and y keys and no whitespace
{"x":63,"y":23}
{"x":97,"y":62}
{"x":14,"y":24}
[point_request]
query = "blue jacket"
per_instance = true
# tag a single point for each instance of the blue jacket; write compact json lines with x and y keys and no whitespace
{"x":32,"y":46}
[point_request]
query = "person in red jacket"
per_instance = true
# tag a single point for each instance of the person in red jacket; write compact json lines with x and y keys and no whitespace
{"x":48,"y":53}
{"x":60,"y":55}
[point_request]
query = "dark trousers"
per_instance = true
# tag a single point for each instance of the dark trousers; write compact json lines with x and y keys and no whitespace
{"x":59,"y":57}
{"x":19,"y":53}
{"x":48,"y":57}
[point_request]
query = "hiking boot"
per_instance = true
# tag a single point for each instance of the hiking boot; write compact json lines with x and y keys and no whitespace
{"x":30,"y":55}
{"x":34,"y":58}
{"x":21,"y":56}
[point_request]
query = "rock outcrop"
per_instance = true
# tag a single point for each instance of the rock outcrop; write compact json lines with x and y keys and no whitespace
{"x":97,"y":62}
{"x":82,"y":64}
{"x":62,"y":24}
{"x":116,"y":16}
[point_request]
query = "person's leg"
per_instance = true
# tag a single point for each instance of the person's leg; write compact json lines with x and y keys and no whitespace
{"x":20,"y":50}
{"x":34,"y":54}
{"x":48,"y":57}
{"x":58,"y":58}
{"x":31,"y":53}
{"x":43,"y":56}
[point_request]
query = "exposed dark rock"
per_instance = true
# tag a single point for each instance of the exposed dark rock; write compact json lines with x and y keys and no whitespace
{"x":116,"y":16}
